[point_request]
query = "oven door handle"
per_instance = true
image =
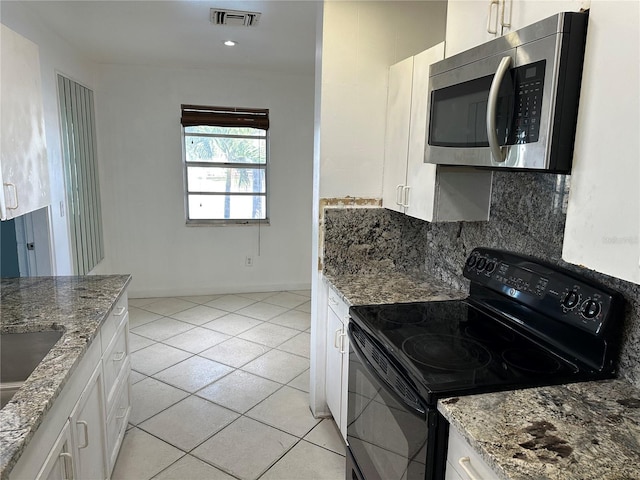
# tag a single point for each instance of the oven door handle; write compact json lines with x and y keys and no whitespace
{"x":417,"y":408}
{"x":499,"y":153}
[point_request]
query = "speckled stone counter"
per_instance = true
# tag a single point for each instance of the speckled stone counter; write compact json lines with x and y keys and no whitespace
{"x":580,"y":431}
{"x":389,"y":287}
{"x":77,"y":306}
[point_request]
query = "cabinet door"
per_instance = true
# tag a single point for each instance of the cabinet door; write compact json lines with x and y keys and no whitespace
{"x":24,"y":170}
{"x":421,"y":177}
{"x":603,"y":215}
{"x":466,"y":25}
{"x":526,"y":12}
{"x":59,"y":462}
{"x":468,"y":20}
{"x":88,"y":430}
{"x":333,"y":381}
{"x":396,"y":140}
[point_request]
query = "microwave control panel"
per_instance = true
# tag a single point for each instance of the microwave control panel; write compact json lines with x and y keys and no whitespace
{"x":528,"y":83}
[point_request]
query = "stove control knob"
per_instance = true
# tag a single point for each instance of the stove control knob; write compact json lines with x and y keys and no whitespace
{"x":571,"y":299}
{"x":491,"y":266}
{"x":471,"y":261}
{"x":481,"y":263}
{"x":591,"y":308}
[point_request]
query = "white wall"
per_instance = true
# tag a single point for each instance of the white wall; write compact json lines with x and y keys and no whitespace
{"x":56,"y":56}
{"x":141,"y":177}
{"x":361,"y":40}
{"x":357,"y":44}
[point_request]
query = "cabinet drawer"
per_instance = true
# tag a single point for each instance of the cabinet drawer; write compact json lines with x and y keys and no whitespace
{"x":113,"y":322}
{"x":465,"y":461}
{"x":338,"y":305}
{"x":117,"y":420}
{"x":114,"y":361}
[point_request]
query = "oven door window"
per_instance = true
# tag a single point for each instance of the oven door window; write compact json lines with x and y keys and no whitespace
{"x":459,"y":113}
{"x":386,"y":436}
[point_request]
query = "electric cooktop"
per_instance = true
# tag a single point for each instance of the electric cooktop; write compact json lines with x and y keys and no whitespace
{"x":525,"y":323}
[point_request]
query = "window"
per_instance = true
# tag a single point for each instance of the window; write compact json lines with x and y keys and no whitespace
{"x":225,"y":164}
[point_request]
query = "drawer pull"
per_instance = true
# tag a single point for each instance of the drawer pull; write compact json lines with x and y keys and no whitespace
{"x":86,"y":434}
{"x":67,"y":459}
{"x":119,"y":311}
{"x":336,"y":339}
{"x":118,"y":356}
{"x":465,"y":463}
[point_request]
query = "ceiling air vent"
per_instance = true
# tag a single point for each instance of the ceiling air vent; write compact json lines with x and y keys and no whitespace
{"x":234,"y":18}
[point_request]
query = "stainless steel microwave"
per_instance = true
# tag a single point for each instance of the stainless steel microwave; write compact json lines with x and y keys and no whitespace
{"x":511,"y":102}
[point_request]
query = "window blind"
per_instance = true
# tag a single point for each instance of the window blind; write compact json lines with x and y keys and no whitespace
{"x":194,"y":115}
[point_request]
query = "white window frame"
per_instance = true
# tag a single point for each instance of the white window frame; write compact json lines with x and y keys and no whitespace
{"x":205,"y":164}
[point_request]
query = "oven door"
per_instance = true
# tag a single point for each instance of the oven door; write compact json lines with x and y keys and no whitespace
{"x":390,"y":432}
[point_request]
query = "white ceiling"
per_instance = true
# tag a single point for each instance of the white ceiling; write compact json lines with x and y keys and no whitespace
{"x":179,"y":33}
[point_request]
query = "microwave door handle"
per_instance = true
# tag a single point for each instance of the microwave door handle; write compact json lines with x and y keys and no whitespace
{"x":499,"y":153}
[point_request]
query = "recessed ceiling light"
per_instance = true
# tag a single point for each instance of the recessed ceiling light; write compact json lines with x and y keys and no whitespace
{"x":230,"y":43}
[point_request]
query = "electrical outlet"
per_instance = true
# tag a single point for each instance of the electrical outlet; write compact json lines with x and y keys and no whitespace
{"x":248,"y":261}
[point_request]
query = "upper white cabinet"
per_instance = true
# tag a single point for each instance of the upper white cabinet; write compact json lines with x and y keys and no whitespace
{"x":23,"y":155}
{"x":471,"y":22}
{"x":603,"y":217}
{"x":422,"y":190}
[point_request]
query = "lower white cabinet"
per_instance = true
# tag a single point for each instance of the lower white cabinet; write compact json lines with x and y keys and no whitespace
{"x":337,"y":365}
{"x":88,"y":430}
{"x":59,"y":465}
{"x":81,"y":435}
{"x":463,"y":463}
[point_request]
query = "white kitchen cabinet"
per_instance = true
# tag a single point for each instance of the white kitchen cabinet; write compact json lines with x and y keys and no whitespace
{"x":337,"y":364}
{"x":82,"y":433}
{"x":468,"y":21}
{"x":88,"y":430}
{"x":463,"y":463}
{"x":411,"y":186}
{"x":603,"y":214}
{"x":59,"y":462}
{"x":24,"y":171}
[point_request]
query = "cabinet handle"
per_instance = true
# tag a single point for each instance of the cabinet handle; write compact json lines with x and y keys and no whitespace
{"x":405,"y":193}
{"x":399,"y":190}
{"x":119,"y":356}
{"x":119,"y":312}
{"x":67,"y":456}
{"x":15,"y":196}
{"x":85,"y":427}
{"x":506,"y":23}
{"x":493,"y":3}
{"x":465,"y":463}
{"x":336,"y":339}
{"x":342,"y":337}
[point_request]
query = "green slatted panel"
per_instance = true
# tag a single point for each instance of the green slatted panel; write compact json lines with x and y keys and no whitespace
{"x":77,"y":122}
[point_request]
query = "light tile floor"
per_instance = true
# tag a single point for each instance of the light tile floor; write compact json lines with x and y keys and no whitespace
{"x":220,"y":392}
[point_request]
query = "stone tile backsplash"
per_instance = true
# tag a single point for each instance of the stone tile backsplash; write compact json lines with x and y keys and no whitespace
{"x":528,"y":213}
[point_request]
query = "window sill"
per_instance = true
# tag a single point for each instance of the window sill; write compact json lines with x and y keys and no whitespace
{"x":227,"y":223}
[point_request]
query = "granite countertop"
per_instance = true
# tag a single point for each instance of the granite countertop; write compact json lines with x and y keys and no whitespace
{"x":77,"y":306}
{"x":390,"y":287}
{"x":584,"y":431}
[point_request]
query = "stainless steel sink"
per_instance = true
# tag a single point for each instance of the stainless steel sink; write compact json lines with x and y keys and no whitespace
{"x":20,"y":354}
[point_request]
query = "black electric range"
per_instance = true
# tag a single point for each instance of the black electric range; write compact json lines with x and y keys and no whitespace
{"x":525,"y":323}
